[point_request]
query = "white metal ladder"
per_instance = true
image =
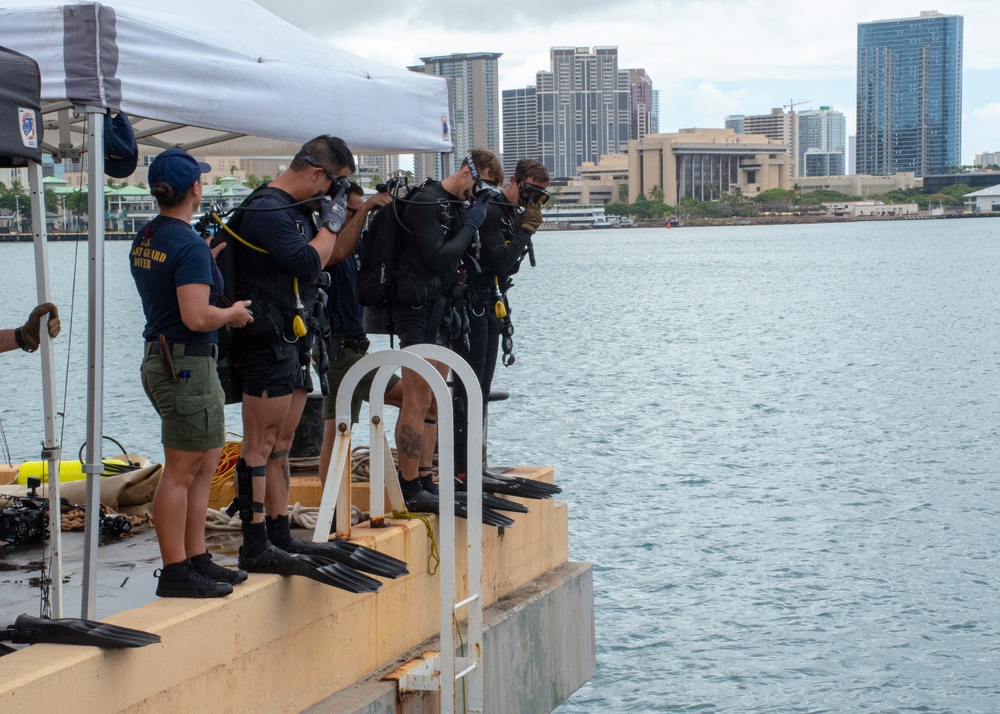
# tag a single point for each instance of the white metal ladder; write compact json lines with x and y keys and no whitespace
{"x":444,"y":671}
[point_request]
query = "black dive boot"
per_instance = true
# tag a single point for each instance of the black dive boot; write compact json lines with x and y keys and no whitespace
{"x":259,"y":555}
{"x":416,"y":498}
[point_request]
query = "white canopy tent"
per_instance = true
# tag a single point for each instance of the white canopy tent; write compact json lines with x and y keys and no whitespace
{"x":192,"y":74}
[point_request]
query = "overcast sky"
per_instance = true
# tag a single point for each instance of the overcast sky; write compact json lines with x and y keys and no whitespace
{"x":708,"y":58}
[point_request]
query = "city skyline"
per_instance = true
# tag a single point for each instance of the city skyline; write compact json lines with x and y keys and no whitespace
{"x":761,"y":55}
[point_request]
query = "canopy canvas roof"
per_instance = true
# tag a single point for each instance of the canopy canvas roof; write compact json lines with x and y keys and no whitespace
{"x":191,"y":73}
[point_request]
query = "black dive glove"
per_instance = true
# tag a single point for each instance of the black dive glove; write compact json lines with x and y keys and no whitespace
{"x":333,"y":213}
{"x":475,"y":215}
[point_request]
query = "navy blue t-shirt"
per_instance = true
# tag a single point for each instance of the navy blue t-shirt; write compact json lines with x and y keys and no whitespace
{"x":166,"y":254}
{"x":343,"y":304}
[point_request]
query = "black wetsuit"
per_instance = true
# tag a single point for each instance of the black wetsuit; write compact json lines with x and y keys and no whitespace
{"x":501,"y":247}
{"x":429,"y":284}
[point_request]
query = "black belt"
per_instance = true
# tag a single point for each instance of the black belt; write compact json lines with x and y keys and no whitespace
{"x":358,"y":345}
{"x":182,"y":350}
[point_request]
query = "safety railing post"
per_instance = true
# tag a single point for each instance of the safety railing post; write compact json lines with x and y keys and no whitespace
{"x":443,"y":672}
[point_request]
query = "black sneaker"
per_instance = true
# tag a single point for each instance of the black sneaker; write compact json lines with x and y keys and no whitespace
{"x":204,"y":565}
{"x":182,"y":580}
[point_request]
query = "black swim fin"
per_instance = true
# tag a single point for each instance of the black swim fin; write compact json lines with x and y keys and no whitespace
{"x":494,"y":482}
{"x":424,"y":502}
{"x":276,"y":561}
{"x":502,"y":504}
{"x":352,"y":555}
{"x":71,"y":631}
{"x":490,"y":517}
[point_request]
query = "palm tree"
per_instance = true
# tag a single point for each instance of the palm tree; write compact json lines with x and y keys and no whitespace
{"x":623,"y":192}
{"x":656,"y":194}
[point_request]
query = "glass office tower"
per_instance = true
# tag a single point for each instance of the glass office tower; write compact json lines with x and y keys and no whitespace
{"x":910,"y":95}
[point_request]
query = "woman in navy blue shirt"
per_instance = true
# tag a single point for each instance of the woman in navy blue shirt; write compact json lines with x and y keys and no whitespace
{"x":175,"y":273}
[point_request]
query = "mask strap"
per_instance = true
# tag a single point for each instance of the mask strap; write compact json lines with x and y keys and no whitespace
{"x":472,"y":166}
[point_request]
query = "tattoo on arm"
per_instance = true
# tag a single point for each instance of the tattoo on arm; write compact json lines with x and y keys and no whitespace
{"x":410,"y":442}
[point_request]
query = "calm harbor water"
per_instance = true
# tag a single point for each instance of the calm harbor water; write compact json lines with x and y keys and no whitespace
{"x":778,"y":445}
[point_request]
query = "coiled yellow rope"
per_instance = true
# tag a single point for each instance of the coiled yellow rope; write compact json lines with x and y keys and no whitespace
{"x":222,"y":481}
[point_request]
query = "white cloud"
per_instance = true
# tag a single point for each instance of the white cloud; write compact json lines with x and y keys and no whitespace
{"x":987,"y":113}
{"x":710,"y":101}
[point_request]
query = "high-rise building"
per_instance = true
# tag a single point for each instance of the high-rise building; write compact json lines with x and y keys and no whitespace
{"x":987,"y":158}
{"x":822,"y":142}
{"x":640,"y":103}
{"x":520,"y":127}
{"x":910,"y":94}
{"x":475,"y":112}
{"x":655,"y":129}
{"x":583,"y":108}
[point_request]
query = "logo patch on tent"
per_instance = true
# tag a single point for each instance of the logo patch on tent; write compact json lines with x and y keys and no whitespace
{"x":444,"y":128}
{"x":27,"y":122}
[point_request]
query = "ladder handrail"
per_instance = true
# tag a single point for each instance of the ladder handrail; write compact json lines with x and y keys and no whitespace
{"x":337,"y":493}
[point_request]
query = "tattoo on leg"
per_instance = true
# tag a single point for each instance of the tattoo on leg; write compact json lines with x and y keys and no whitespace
{"x":410,"y":442}
{"x":286,"y":469}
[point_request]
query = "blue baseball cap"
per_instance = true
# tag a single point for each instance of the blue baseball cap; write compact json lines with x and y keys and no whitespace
{"x":177,"y":168}
{"x":121,"y":152}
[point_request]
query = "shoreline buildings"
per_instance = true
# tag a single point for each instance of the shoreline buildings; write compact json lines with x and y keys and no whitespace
{"x":910,"y":94}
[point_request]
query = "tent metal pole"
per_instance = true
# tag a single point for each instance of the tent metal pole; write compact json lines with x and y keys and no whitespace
{"x":51,"y":448}
{"x":95,"y":354}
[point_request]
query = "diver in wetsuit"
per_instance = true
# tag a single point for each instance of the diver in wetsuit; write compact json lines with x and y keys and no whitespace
{"x":512,"y":219}
{"x":429,"y":301}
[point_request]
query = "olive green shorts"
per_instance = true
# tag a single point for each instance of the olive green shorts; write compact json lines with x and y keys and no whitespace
{"x":190,"y":409}
{"x":338,"y":368}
